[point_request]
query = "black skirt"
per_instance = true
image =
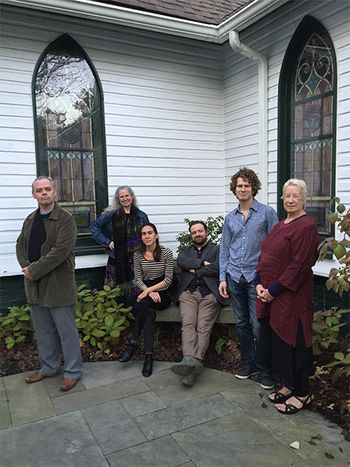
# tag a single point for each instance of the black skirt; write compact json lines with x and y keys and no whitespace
{"x":290,"y":361}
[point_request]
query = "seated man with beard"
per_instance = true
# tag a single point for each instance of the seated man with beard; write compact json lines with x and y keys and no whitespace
{"x":199,"y":300}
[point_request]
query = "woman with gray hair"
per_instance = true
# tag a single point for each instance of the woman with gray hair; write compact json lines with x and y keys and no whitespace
{"x":284,"y":306}
{"x":118,"y":230}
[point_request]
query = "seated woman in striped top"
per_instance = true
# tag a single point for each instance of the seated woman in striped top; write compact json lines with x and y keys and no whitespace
{"x":153,"y":269}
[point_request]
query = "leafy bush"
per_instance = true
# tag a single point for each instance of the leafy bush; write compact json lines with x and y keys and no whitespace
{"x":214,"y":224}
{"x":328,"y":322}
{"x":339,"y":278}
{"x":342,"y":361}
{"x":99,"y":316}
{"x":219,"y":344}
{"x":326,"y":327}
{"x":16,"y":326}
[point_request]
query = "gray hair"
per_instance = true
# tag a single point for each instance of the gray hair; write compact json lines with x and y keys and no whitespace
{"x":44,"y":177}
{"x":115,"y":203}
{"x":299,"y":184}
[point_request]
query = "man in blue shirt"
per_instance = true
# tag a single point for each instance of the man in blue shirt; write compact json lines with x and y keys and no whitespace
{"x":244,"y":229}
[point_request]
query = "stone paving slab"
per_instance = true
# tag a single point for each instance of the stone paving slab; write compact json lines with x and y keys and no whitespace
{"x":183,"y":415}
{"x":91,"y":397}
{"x":104,"y":415}
{"x":62,"y":441}
{"x":234,"y":441}
{"x":161,"y":452}
{"x":112,"y":427}
{"x":111,"y":372}
{"x":142,"y":404}
{"x":315,"y":435}
{"x":27,"y":402}
{"x":120,"y":435}
{"x":168,"y":386}
{"x":124,"y":419}
{"x":5,"y":415}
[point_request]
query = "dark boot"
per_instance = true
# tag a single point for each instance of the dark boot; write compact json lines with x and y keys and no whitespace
{"x":147,"y":365}
{"x":129,"y":352}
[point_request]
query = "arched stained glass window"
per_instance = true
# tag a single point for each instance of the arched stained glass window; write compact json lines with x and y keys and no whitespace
{"x":70,"y":129}
{"x":307,"y":117}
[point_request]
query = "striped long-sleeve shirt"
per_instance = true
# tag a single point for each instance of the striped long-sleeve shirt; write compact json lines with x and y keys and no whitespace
{"x":148,"y":270}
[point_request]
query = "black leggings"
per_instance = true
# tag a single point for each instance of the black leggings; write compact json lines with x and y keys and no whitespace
{"x":145,"y":315}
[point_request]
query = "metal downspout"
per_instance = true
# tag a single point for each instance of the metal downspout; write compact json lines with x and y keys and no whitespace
{"x":237,"y":46}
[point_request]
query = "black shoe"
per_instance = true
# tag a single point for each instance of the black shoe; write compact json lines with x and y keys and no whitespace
{"x":246,"y":372}
{"x":147,"y":365}
{"x":266,"y":381}
{"x":129,"y":352}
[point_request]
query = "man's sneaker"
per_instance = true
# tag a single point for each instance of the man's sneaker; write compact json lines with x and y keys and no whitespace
{"x":266,"y":382}
{"x":185,"y":367}
{"x":188,"y":380}
{"x":246,"y":372}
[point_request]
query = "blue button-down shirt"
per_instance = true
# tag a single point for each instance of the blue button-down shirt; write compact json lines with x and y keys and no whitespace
{"x":241,"y":240}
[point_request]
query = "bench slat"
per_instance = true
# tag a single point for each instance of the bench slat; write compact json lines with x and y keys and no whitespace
{"x":172,"y":315}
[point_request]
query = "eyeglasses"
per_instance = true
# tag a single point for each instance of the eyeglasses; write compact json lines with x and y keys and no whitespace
{"x":297,"y":197}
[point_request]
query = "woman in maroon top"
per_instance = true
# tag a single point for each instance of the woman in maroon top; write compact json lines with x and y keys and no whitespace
{"x":284,"y":292}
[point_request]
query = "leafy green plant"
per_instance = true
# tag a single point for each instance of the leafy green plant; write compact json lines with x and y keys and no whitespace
{"x":326,"y":326}
{"x":338,"y":278}
{"x":219,"y":344}
{"x":214,"y":224}
{"x":99,"y":316}
{"x":16,"y":326}
{"x":340,"y":365}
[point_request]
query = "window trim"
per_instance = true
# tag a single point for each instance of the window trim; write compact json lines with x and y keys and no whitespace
{"x":307,"y":26}
{"x":85,"y":244}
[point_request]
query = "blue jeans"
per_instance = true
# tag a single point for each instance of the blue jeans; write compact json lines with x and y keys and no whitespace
{"x":243,"y":302}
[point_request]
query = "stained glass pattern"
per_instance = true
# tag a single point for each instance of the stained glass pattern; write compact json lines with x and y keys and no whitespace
{"x":312,"y":126}
{"x":67,"y":105}
{"x":315,"y":69}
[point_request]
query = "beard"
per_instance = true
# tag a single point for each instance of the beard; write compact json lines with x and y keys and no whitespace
{"x":200,"y":241}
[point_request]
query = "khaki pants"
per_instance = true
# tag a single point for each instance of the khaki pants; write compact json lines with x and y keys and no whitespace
{"x":198,"y":315}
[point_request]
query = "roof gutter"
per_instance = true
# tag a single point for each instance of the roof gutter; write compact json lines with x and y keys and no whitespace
{"x":90,"y":9}
{"x":237,"y":46}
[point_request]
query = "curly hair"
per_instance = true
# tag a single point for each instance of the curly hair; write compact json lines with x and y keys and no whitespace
{"x":249,"y":176}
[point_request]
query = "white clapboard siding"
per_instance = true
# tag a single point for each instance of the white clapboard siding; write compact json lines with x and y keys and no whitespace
{"x":163,"y":106}
{"x":181,"y":116}
{"x":271,"y":37}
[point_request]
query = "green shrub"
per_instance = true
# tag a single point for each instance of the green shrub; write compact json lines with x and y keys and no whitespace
{"x":16,"y":326}
{"x":326,"y":327}
{"x":99,"y":316}
{"x":219,"y":344}
{"x":214,"y":224}
{"x":339,"y":278}
{"x":342,"y":362}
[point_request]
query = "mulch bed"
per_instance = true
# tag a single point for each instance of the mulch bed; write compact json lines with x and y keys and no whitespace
{"x":331,"y":396}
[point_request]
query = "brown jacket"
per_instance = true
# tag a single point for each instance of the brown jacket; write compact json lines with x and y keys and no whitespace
{"x":53,"y":275}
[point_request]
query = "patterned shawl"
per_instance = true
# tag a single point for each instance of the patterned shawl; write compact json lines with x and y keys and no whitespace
{"x":127,"y":239}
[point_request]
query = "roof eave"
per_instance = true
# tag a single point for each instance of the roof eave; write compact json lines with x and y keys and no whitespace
{"x":90,"y":9}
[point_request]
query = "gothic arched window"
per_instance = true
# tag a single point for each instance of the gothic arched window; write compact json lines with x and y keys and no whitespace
{"x":70,"y":140}
{"x":307,"y":111}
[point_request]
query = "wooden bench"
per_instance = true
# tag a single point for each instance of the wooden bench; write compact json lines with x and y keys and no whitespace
{"x":172,"y":315}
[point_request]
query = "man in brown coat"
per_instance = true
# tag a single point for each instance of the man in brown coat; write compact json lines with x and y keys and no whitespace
{"x":45,"y":252}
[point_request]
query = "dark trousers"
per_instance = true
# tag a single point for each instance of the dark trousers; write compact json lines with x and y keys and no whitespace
{"x":294,"y":364}
{"x":145,"y":315}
